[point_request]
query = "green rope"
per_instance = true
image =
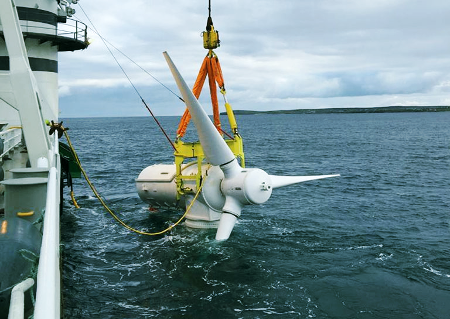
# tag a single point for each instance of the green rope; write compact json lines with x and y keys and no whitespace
{"x":40,"y":219}
{"x":34,"y":259}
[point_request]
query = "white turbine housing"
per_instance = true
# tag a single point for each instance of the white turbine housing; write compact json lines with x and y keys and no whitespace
{"x":249,"y":186}
{"x":156,"y":185}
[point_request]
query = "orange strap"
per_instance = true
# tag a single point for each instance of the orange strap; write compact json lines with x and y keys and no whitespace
{"x":210,"y":67}
{"x":213,"y":92}
{"x":198,"y":85}
{"x":218,"y":72}
{"x":197,"y":89}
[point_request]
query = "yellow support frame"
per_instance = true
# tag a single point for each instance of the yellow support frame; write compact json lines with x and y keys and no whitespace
{"x":194,"y":150}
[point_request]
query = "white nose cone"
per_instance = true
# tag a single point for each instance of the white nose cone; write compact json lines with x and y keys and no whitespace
{"x":257,"y":186}
{"x":249,"y":186}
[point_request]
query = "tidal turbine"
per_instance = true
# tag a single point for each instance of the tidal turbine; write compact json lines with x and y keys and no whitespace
{"x":227,"y":187}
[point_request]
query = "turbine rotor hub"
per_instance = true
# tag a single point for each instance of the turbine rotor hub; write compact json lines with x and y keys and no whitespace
{"x":249,"y":186}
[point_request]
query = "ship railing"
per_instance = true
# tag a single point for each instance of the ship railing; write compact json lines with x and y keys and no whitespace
{"x":17,"y":303}
{"x":72,"y":28}
{"x":10,"y":139}
{"x":48,"y":302}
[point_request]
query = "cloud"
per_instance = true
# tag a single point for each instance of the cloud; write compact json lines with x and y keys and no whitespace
{"x":274,"y":54}
{"x":64,"y":90}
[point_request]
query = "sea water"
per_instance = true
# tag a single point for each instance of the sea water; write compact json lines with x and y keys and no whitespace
{"x":373,"y":243}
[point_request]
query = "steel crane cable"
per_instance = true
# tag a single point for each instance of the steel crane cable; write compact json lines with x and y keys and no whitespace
{"x":129,"y":80}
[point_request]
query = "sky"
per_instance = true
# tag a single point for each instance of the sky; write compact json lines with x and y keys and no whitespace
{"x":275,"y":54}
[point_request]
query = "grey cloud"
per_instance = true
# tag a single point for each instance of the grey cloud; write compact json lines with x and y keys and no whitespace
{"x":283,"y":54}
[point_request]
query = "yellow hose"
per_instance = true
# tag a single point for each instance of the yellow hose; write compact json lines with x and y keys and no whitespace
{"x":73,"y":199}
{"x":110,"y":211}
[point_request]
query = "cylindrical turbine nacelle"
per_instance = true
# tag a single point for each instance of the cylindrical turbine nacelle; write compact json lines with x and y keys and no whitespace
{"x":156,"y":185}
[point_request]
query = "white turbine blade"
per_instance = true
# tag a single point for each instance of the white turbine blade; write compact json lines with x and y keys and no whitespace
{"x":280,"y":181}
{"x":226,"y":225}
{"x":215,"y":148}
{"x":230,"y":213}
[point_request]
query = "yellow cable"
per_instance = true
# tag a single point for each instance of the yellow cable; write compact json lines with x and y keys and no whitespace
{"x":112,"y":213}
{"x":73,"y":199}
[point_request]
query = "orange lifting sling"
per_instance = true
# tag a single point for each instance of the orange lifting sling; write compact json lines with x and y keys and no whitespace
{"x":210,"y":67}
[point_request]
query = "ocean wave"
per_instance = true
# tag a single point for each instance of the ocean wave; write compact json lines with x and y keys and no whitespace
{"x":427,"y":267}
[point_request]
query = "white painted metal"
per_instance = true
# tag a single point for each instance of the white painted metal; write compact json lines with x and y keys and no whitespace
{"x":27,"y":99}
{"x":212,"y":195}
{"x":47,"y":82}
{"x":249,"y":186}
{"x":226,"y":225}
{"x":48,"y":278}
{"x":34,"y":26}
{"x":9,"y":113}
{"x":156,"y":185}
{"x":11,"y":139}
{"x":17,"y":303}
{"x":24,"y":85}
{"x":280,"y":181}
{"x":201,"y":215}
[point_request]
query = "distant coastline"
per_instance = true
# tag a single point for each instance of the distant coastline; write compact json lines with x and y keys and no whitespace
{"x":385,"y":109}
